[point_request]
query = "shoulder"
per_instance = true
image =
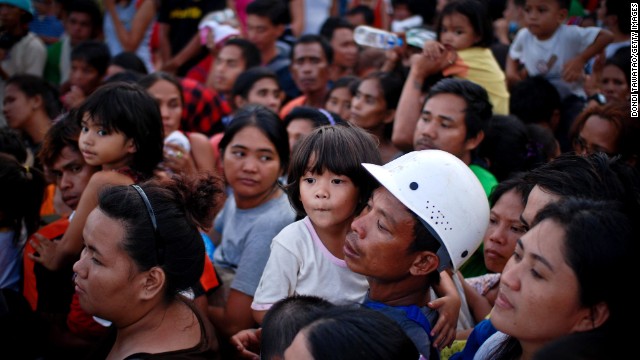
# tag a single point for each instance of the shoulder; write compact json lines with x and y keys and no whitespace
{"x":107,"y":177}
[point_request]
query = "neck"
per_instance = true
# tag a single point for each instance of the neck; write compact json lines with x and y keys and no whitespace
{"x":257,"y":200}
{"x":412,"y":290}
{"x":37,"y":128}
{"x":338,"y":71}
{"x":126,"y":161}
{"x":269,"y":53}
{"x":466,"y":158}
{"x":316,"y":98}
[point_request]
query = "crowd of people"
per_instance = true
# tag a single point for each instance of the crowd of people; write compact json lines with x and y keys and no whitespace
{"x":244,"y":180}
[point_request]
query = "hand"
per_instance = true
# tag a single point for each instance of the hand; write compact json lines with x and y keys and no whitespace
{"x":433,"y":50}
{"x":170,"y":67}
{"x":248,"y":343}
{"x":573,"y":70}
{"x":501,"y":30}
{"x":45,"y":251}
{"x":74,"y":97}
{"x":177,"y":159}
{"x":445,"y":329}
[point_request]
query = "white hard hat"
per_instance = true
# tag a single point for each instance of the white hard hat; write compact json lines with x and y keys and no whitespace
{"x":444,"y":193}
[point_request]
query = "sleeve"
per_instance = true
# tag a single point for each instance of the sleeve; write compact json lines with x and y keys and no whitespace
{"x":35,"y":58}
{"x":517,"y":46}
{"x":279,"y":278}
{"x":586,"y":35}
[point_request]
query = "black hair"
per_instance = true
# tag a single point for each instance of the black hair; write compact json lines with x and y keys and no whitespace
{"x":564,"y":4}
{"x":93,"y":52}
{"x":345,"y":332}
{"x":542,"y":143}
{"x":333,"y":23}
{"x":33,"y":86}
{"x":245,"y":81}
{"x":129,"y":109}
{"x":250,"y":53}
{"x":63,"y":133}
{"x":515,"y":182}
{"x":129,"y":61}
{"x":181,"y":205}
{"x":316,"y":116}
{"x":22,"y":192}
{"x":340,"y":149}
{"x":284,"y":319}
{"x":476,"y":12}
{"x":313,"y":39}
{"x":12,"y":144}
{"x":147,"y":81}
{"x":478,"y":111}
{"x":534,"y":100}
{"x":91,"y":8}
{"x":264,"y":120}
{"x":128,"y":76}
{"x":367,"y":13}
{"x":622,"y":11}
{"x":276,"y":10}
{"x":349,"y":81}
{"x":622,"y":60}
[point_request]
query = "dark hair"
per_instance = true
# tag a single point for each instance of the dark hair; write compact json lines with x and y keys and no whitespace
{"x":622,"y":11}
{"x":63,"y":133}
{"x":345,"y":332}
{"x":11,"y":143}
{"x":33,"y":86}
{"x":149,"y":80}
{"x":250,"y":53}
{"x":619,"y":115}
{"x":478,"y":111}
{"x":622,"y":60}
{"x":91,"y":8}
{"x":534,"y":99}
{"x":93,"y":52}
{"x":477,"y":13}
{"x":597,"y":247}
{"x":564,"y":4}
{"x":543,"y":143}
{"x":506,"y":147}
{"x":246,"y":80}
{"x":333,"y":23}
{"x":349,"y":81}
{"x":276,"y":11}
{"x":367,"y":13}
{"x":515,"y":182}
{"x":21,"y":191}
{"x":129,"y":61}
{"x":284,"y":319}
{"x":181,"y":205}
{"x":128,"y":76}
{"x":130,"y":110}
{"x":313,"y":39}
{"x":318,"y":117}
{"x":340,"y":149}
{"x":264,"y":120}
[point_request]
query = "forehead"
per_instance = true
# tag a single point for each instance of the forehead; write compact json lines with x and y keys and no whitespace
{"x":230,"y":52}
{"x":455,"y":19}
{"x":342,"y":34}
{"x":446,"y":104}
{"x":162,"y":87}
{"x":265,"y":83}
{"x":538,"y":199}
{"x":67,"y":155}
{"x":82,"y":17}
{"x":370,"y":87}
{"x":257,"y":20}
{"x":550,"y":3}
{"x":308,"y":50}
{"x":384,"y":200}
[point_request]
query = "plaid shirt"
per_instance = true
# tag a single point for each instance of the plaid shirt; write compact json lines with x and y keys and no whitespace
{"x":203,"y":108}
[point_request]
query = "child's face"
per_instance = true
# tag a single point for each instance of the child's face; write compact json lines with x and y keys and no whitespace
{"x":543,"y":17}
{"x":111,"y":150}
{"x":368,"y":106}
{"x":457,"y":32}
{"x":84,"y":76}
{"x":329,"y":199}
{"x":339,"y":102}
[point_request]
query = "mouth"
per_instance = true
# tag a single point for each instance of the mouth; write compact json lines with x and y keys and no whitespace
{"x":492,"y":254}
{"x":349,"y":249}
{"x":70,"y":201}
{"x":247,"y":182}
{"x":424,"y":145}
{"x":87,"y":154}
{"x":78,"y":288}
{"x":502,"y":302}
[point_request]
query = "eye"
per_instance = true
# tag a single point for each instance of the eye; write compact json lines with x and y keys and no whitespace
{"x":237,"y":153}
{"x":493,"y":220}
{"x":76,"y":169}
{"x":445,"y":124}
{"x":381,"y":227}
{"x":102,"y":132}
{"x":517,"y":256}
{"x":265,"y":158}
{"x":309,"y":180}
{"x":337,"y":181}
{"x":95,"y":261}
{"x":519,"y":229}
{"x":535,"y":274}
{"x":84,"y":129}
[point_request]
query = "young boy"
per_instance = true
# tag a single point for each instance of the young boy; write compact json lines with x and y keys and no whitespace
{"x":89,"y":63}
{"x":548,"y":47}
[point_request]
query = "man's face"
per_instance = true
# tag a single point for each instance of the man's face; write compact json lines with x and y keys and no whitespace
{"x":310,"y":68}
{"x":84,"y":76}
{"x":71,"y":175}
{"x":379,"y":241}
{"x":262,"y":32}
{"x":442,"y":126}
{"x":229,"y":64}
{"x":345,"y":50}
{"x":78,"y":26}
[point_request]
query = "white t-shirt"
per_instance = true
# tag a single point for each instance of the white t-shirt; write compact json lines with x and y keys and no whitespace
{"x":300,"y":264}
{"x":547,"y":57}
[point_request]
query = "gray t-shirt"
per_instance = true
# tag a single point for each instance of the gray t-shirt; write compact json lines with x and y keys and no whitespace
{"x":246,"y":239}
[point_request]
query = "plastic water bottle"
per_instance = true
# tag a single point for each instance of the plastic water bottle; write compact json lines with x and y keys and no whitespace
{"x":374,"y":37}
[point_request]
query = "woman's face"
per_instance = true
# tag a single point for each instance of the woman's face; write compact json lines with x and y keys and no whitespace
{"x":368,"y":106}
{"x":614,"y":84}
{"x":105,"y":270}
{"x":538,"y":299}
{"x":18,"y":107}
{"x":297,"y":130}
{"x":251,"y":166}
{"x":597,"y":135}
{"x":168,"y":97}
{"x":266,"y":92}
{"x":339,"y":102}
{"x":505,"y":228}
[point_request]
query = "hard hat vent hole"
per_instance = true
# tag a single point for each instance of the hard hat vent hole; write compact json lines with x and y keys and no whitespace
{"x":465,"y":253}
{"x":413,"y":186}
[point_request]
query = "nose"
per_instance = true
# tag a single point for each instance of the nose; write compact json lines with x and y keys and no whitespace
{"x":78,"y":266}
{"x":510,"y":275}
{"x":85,"y":138}
{"x":249,"y":164}
{"x":497,"y":234}
{"x":321,"y":192}
{"x":429,"y":129}
{"x":65,"y":181}
{"x":356,"y":103}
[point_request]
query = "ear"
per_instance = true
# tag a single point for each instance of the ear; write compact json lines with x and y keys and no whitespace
{"x":152,"y":283}
{"x":424,"y":263}
{"x":474,"y":142}
{"x":37,"y":102}
{"x":389,"y":116}
{"x":592,"y":317}
{"x":131,"y":147}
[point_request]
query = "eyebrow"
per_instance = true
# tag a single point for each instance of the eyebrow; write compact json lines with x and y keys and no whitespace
{"x":445,"y":117}
{"x":93,"y":249}
{"x":243,"y":147}
{"x":524,"y":221}
{"x":536,"y":257}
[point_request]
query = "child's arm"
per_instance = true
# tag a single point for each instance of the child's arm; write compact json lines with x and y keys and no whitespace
{"x":448,"y":306}
{"x":512,"y":73}
{"x":247,"y":342}
{"x":478,"y":304}
{"x":55,"y":254}
{"x":573,"y":69}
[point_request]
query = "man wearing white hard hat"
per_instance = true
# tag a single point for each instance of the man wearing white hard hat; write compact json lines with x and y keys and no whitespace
{"x":418,"y":222}
{"x":21,"y":51}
